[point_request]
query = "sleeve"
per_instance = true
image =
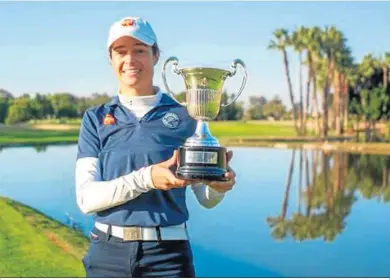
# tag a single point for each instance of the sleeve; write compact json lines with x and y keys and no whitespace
{"x":94,"y":195}
{"x":206,"y":196}
{"x":88,"y":143}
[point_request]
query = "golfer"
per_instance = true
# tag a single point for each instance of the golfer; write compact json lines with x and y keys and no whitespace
{"x":127,"y":154}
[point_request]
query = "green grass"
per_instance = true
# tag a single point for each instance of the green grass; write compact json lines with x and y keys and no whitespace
{"x":34,"y":245}
{"x":28,"y":135}
{"x":25,"y":135}
{"x":241,"y":129}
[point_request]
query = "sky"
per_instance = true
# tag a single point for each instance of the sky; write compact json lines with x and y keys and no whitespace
{"x":51,"y":47}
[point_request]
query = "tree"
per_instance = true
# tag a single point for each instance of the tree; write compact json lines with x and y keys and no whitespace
{"x":5,"y":94}
{"x":19,"y":111}
{"x":344,"y":67}
{"x":368,"y":98}
{"x":281,"y":42}
{"x":256,"y":107}
{"x":297,"y":41}
{"x":372,"y":105}
{"x":98,"y":99}
{"x":4,"y":105}
{"x":274,"y":108}
{"x":234,"y":111}
{"x":64,"y":105}
{"x":331,"y":41}
{"x":312,"y":42}
{"x":385,"y":64}
{"x":279,"y":224}
{"x":41,"y":107}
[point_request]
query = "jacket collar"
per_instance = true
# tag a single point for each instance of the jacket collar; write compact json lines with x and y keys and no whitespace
{"x":165,"y":100}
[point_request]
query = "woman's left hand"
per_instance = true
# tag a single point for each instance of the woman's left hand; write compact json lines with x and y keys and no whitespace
{"x":225,"y":186}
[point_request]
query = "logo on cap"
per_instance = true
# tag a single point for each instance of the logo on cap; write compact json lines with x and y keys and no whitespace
{"x":171,"y":120}
{"x":128,"y":22}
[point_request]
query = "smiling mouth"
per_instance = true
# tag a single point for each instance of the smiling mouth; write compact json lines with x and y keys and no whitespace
{"x":131,"y":72}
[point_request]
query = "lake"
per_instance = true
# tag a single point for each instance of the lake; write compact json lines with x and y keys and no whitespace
{"x":292,"y":213}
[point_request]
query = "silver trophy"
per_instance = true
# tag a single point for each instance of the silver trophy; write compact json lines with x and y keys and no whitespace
{"x":201,"y":157}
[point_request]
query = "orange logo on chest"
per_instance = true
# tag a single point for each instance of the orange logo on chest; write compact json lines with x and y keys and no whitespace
{"x":109,"y":120}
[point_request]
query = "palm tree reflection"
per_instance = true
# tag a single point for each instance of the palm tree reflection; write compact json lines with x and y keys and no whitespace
{"x":336,"y":181}
{"x":279,"y":223}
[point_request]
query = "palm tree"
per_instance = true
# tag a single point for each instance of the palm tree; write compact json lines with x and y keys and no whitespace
{"x":288,"y":185}
{"x":340,"y":53}
{"x":385,"y":63}
{"x":347,"y":71}
{"x":321,"y":69}
{"x":306,"y":171}
{"x":300,"y":178}
{"x":331,"y":41}
{"x":280,"y":42}
{"x":311,"y":188}
{"x":313,"y":45}
{"x":344,"y":62}
{"x":308,"y":38}
{"x":368,"y":66}
{"x":331,"y":207}
{"x":298,"y":44}
{"x":351,"y":80}
{"x":279,"y":223}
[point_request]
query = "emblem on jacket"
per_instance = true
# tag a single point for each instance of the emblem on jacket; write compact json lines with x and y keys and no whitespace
{"x":170,"y":120}
{"x":108,"y":119}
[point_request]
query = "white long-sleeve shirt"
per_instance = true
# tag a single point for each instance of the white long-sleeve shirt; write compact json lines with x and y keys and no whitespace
{"x":95,"y":195}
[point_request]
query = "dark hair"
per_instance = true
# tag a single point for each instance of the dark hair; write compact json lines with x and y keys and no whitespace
{"x":155,"y":49}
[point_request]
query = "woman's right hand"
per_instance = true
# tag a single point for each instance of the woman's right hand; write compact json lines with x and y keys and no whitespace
{"x":162,"y":176}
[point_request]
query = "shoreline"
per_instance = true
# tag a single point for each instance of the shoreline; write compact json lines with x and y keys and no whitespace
{"x":332,"y":144}
{"x":354,"y":147}
{"x":37,"y":144}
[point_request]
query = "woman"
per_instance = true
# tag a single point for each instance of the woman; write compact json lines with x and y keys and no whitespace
{"x":124,"y":169}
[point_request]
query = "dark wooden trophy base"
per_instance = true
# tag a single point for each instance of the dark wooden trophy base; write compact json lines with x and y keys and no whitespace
{"x":202,"y":163}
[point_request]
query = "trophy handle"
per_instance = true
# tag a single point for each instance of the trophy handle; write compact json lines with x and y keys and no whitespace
{"x":234,"y":66}
{"x":176,"y":70}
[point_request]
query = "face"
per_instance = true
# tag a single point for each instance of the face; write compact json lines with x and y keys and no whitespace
{"x":133,"y":63}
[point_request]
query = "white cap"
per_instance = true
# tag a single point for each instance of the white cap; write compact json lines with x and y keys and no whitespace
{"x":134,"y":27}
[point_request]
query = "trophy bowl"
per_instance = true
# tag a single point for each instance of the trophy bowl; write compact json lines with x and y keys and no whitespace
{"x":202,"y":157}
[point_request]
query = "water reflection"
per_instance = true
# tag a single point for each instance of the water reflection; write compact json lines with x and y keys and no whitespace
{"x":285,"y":204}
{"x":40,"y":148}
{"x":332,"y":185}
